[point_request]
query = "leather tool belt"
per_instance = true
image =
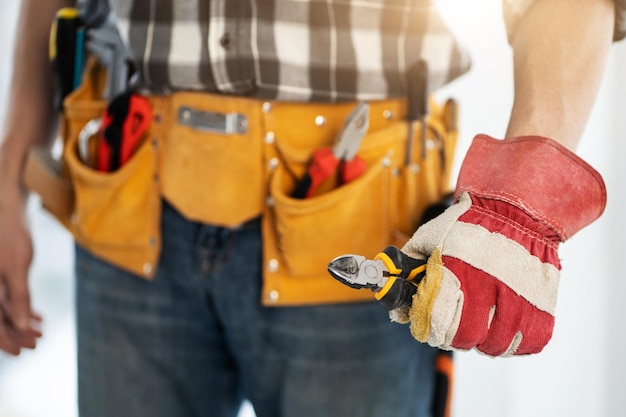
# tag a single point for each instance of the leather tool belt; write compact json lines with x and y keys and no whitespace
{"x":226,"y":160}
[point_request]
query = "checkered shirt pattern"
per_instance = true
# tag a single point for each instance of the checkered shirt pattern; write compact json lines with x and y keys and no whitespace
{"x":298,"y":50}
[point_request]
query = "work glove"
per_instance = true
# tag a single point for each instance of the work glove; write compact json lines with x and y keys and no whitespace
{"x":493,"y":268}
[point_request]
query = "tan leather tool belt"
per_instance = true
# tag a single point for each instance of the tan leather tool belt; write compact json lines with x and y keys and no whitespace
{"x":225,"y":160}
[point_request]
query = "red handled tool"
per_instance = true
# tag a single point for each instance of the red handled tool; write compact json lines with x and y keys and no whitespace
{"x":124,"y":122}
{"x":341,"y":159}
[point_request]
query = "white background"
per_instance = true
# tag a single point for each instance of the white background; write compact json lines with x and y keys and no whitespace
{"x":581,"y":373}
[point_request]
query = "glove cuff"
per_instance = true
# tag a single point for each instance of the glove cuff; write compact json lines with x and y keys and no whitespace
{"x":540,"y":176}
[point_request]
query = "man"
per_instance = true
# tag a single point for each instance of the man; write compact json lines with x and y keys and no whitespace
{"x":188,"y":343}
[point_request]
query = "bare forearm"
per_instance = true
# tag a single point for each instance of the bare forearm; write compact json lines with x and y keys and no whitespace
{"x":560,"y":51}
{"x":30,"y":117}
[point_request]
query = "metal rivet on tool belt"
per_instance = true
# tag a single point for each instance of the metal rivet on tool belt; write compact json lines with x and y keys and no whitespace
{"x":388,"y":114}
{"x":147,"y":268}
{"x":386,"y":162}
{"x":266,"y":107}
{"x":273,"y":163}
{"x":320,"y":120}
{"x":186,"y":114}
{"x":430,"y":144}
{"x":269,"y":201}
{"x":272,"y":265}
{"x":273,"y":296}
{"x":269,"y":137}
{"x":415,"y":168}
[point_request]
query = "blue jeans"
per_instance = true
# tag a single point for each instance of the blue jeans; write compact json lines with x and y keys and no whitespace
{"x":195,"y":341}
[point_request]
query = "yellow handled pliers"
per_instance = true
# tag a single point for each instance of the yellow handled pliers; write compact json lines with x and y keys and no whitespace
{"x":392,"y":275}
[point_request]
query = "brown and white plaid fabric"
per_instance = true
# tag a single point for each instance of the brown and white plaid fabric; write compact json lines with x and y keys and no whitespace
{"x":297,"y":50}
{"x":300,"y":50}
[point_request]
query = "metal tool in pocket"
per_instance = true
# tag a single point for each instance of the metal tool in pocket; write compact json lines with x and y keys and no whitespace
{"x":86,"y":145}
{"x":341,"y":159}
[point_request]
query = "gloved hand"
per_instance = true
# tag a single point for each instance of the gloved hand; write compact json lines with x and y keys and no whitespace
{"x":493,"y":271}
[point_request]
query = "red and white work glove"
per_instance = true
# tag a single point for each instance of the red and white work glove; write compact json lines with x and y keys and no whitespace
{"x":493,"y":271}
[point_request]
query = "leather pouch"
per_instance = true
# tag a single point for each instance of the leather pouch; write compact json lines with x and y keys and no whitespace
{"x":382,"y":207}
{"x":114,"y":215}
{"x":46,"y":175}
{"x":117,"y":214}
{"x":43,"y":175}
{"x":210,"y":174}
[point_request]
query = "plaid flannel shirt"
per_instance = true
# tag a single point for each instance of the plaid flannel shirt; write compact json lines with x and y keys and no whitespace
{"x":300,"y":50}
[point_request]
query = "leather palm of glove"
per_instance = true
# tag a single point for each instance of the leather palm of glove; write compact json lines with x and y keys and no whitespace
{"x":493,"y":271}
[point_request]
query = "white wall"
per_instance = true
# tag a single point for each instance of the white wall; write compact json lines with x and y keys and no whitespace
{"x":581,"y":373}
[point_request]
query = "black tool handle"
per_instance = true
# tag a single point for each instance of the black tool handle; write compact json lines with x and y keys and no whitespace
{"x":417,"y":82}
{"x":437,"y":208}
{"x":409,"y":268}
{"x":399,"y":295}
{"x":417,"y":106}
{"x":404,"y":276}
{"x":302,"y":187}
{"x":63,"y":63}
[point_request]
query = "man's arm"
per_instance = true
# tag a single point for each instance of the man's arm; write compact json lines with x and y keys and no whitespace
{"x":30,"y":118}
{"x":560,"y":50}
{"x":493,"y":266}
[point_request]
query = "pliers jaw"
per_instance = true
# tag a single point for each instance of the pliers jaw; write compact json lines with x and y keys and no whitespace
{"x":353,"y":131}
{"x":357,"y":272}
{"x":392,"y":275}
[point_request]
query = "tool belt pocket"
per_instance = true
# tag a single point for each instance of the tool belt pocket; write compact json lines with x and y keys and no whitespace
{"x":115,"y":215}
{"x":383,"y":206}
{"x":312,"y":231}
{"x":47,"y":175}
{"x":115,"y":209}
{"x":213,"y":173}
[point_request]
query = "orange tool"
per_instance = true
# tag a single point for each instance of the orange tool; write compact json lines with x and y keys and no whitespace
{"x":124,"y":123}
{"x":341,"y":159}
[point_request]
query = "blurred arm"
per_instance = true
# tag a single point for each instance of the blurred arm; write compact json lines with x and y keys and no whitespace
{"x":30,"y":117}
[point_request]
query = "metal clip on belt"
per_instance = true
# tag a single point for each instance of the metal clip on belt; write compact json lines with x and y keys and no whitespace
{"x":225,"y":123}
